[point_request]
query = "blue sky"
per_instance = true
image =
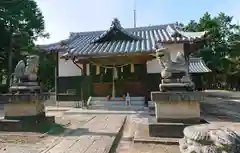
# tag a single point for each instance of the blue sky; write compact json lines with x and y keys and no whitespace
{"x":65,"y":16}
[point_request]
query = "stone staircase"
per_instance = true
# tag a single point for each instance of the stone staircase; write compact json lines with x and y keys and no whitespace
{"x":151,"y":107}
{"x":117,"y":104}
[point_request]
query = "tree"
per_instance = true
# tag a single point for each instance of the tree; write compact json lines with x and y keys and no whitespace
{"x":217,"y":49}
{"x":21,"y":22}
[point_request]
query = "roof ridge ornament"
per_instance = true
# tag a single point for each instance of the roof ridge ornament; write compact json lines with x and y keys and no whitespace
{"x":114,"y":30}
{"x":173,"y":31}
{"x":116,"y":23}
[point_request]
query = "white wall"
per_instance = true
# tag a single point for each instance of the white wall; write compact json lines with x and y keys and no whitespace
{"x":153,"y":65}
{"x":67,"y":68}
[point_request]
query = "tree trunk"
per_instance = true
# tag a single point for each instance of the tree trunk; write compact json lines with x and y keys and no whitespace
{"x":10,"y":54}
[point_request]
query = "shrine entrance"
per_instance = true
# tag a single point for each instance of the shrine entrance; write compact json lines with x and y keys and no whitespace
{"x":116,"y":75}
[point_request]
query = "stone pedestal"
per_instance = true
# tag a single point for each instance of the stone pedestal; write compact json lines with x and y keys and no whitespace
{"x":174,"y":111}
{"x":26,"y":116}
{"x":177,"y":106}
{"x":25,"y":110}
{"x":21,"y":110}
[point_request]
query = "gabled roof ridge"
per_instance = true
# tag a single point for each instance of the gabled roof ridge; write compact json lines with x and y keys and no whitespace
{"x":127,"y":29}
{"x":116,"y":26}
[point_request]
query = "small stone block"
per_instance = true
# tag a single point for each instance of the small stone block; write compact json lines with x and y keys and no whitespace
{"x":10,"y":125}
{"x":173,"y":130}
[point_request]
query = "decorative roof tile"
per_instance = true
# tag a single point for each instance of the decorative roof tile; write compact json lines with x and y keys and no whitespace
{"x":116,"y":32}
{"x":197,"y":65}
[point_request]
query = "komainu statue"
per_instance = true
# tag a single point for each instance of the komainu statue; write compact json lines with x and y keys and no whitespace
{"x":28,"y":70}
{"x":31,"y":68}
{"x":175,"y":74}
{"x":170,"y":66}
{"x":19,"y":71}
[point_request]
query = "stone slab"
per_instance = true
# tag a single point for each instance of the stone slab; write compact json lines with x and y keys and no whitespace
{"x":26,"y":124}
{"x":23,"y":109}
{"x":167,"y":130}
{"x":142,"y":136}
{"x":97,"y":135}
{"x":19,"y":148}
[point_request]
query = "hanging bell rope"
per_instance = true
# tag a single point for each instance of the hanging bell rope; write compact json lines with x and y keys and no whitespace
{"x":115,"y":73}
{"x":108,"y":67}
{"x":132,"y":68}
{"x":97,"y":69}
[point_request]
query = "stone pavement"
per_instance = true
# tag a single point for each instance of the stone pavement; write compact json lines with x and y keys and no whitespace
{"x":94,"y":131}
{"x":86,"y":134}
{"x":220,"y":111}
{"x":127,"y":146}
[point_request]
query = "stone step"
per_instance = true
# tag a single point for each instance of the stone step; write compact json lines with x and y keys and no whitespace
{"x":151,"y":104}
{"x":138,"y":103}
{"x":118,"y":98}
{"x":117,"y":108}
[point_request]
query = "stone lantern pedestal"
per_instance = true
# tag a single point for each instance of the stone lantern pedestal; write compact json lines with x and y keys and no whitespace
{"x":25,"y":110}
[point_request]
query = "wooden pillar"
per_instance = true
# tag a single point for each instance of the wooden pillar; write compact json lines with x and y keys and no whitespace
{"x":83,"y":83}
{"x":84,"y":69}
{"x":146,"y":86}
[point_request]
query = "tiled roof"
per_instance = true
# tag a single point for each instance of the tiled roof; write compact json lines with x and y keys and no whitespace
{"x":197,"y":65}
{"x":119,"y":40}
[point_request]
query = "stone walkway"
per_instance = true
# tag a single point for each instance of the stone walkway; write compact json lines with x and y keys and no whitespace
{"x":220,"y":111}
{"x":127,"y":146}
{"x":87,"y":134}
{"x":95,"y":131}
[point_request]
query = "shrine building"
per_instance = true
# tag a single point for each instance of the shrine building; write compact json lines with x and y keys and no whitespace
{"x":119,"y":60}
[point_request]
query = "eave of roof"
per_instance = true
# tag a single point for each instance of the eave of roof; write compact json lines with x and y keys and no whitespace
{"x":197,"y":65}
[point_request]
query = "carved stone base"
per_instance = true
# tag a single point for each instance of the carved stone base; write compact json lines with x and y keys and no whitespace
{"x":25,"y":89}
{"x":176,"y":87}
{"x":209,"y":138}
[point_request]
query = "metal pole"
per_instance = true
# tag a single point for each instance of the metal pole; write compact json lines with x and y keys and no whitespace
{"x":134,"y":13}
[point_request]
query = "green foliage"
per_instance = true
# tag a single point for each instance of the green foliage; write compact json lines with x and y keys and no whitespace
{"x":21,"y":23}
{"x":220,"y":50}
{"x":47,"y":66}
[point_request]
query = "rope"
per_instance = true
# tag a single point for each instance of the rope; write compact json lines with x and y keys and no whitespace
{"x":108,"y":67}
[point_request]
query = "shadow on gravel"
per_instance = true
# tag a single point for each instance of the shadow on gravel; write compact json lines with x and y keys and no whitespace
{"x":223,"y":109}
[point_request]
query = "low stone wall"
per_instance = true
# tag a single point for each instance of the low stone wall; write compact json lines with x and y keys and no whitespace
{"x":222,"y":94}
